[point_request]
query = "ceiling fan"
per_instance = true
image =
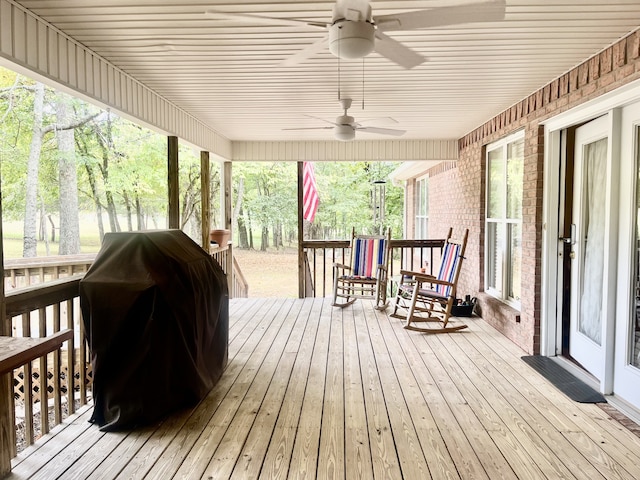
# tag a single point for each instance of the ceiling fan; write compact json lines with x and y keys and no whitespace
{"x":345,"y":126}
{"x":354,"y":32}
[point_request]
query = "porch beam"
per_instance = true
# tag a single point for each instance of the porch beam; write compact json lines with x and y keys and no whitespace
{"x":301,"y":289}
{"x":226,"y":186}
{"x":334,"y":150}
{"x":172,"y":182}
{"x":205,"y":196}
{"x":227,"y":220}
{"x":7,"y":412}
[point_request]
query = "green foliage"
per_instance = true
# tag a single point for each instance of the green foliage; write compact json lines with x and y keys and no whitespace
{"x":344,"y":188}
{"x":122,"y":173}
{"x":345,"y":191}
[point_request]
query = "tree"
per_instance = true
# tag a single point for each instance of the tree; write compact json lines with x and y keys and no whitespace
{"x":68,"y":180}
{"x":30,"y":242}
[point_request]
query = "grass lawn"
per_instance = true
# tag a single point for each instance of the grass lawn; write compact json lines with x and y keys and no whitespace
{"x":270,"y":274}
{"x":12,"y":239}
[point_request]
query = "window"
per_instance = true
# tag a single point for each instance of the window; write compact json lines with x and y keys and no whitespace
{"x":422,"y":208}
{"x":503,"y":256}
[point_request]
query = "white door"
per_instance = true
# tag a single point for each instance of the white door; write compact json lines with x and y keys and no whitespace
{"x":589,"y":219}
{"x":627,"y":338}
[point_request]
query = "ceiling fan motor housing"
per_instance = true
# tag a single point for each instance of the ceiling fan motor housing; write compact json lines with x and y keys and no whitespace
{"x":344,"y":133}
{"x":349,"y":40}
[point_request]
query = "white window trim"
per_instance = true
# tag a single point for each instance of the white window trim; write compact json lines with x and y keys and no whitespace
{"x":500,"y":295}
{"x":416,"y":215}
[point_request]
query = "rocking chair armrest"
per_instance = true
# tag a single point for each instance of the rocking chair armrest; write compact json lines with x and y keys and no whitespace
{"x":341,"y":265}
{"x":432,"y":280}
{"x":423,"y":277}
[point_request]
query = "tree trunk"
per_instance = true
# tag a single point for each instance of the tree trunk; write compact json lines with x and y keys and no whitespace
{"x":68,"y":181}
{"x":127,"y":205}
{"x":30,"y":242}
{"x":250,"y":230}
{"x":113,"y":213}
{"x":104,"y":170}
{"x":140,"y":214}
{"x":94,"y":192}
{"x":242,"y":229}
{"x":264,"y":239}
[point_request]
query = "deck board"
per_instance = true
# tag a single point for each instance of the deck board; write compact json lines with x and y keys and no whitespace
{"x":313,"y":391}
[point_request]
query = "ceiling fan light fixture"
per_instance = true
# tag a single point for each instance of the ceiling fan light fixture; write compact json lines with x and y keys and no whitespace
{"x":350,"y":40}
{"x":344,"y":133}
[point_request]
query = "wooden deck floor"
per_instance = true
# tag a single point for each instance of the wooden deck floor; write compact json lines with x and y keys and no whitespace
{"x":317,"y":392}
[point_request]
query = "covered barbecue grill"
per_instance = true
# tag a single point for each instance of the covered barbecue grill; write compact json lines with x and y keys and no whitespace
{"x":156,"y":315}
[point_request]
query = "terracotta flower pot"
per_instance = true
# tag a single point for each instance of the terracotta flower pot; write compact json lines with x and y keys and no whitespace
{"x":220,"y":236}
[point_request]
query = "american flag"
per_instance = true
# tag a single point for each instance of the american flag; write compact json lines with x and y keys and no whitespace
{"x":310,"y":198}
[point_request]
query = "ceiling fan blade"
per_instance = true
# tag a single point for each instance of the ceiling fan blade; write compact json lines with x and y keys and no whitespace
{"x":322,"y":120}
{"x":487,"y":11}
{"x":383,"y":131}
{"x":309,"y":128}
{"x":257,"y":19}
{"x":396,"y":51}
{"x":380,"y":121}
{"x":306,"y":52}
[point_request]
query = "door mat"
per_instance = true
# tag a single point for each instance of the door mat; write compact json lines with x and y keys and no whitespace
{"x":571,"y":386}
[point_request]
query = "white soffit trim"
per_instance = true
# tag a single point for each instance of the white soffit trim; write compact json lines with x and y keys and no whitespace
{"x":409,"y":170}
{"x":356,"y":151}
{"x":43,"y":52}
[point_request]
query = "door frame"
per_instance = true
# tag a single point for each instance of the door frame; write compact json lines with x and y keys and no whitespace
{"x":550,"y":324}
{"x":627,"y":377}
{"x":604,"y":127}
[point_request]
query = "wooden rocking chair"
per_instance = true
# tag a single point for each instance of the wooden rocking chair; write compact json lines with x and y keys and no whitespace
{"x":426,"y":298}
{"x":366,"y":275}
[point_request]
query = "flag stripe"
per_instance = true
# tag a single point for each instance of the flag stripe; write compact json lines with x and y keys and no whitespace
{"x":310,"y":199}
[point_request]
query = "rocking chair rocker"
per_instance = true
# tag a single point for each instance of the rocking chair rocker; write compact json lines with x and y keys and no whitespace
{"x":426,"y":298}
{"x":366,"y":275}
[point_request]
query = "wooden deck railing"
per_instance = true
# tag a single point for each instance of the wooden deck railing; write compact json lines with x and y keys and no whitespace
{"x":238,"y":286}
{"x":22,"y":272}
{"x":42,"y":301}
{"x":320,"y":255}
{"x":50,"y":388}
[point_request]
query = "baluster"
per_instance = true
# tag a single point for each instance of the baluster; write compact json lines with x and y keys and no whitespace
{"x":44,"y":392}
{"x":57,"y":394}
{"x":28,"y":386}
{"x":71,"y":365}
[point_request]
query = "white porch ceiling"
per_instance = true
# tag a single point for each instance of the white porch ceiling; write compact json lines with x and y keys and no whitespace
{"x":228,"y":73}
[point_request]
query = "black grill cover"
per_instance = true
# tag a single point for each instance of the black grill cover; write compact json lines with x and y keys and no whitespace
{"x":156,"y":314}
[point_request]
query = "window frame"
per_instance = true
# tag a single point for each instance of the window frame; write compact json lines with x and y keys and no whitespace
{"x":503,"y":224}
{"x":421,"y":217}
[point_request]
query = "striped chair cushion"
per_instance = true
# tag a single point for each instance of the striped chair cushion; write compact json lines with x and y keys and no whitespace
{"x":367,"y":254}
{"x":448,"y":266}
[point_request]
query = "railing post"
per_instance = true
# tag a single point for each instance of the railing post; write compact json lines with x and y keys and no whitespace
{"x":173,"y":182}
{"x":205,"y":194}
{"x":228,"y":221}
{"x":229,"y":268}
{"x":7,"y":440}
{"x":7,"y":422}
{"x":301,"y":289}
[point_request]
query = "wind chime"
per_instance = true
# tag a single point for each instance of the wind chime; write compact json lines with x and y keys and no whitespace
{"x":378,"y":194}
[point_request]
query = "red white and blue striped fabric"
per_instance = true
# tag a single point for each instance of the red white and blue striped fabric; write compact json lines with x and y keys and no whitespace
{"x":450,"y":259}
{"x":367,"y":254}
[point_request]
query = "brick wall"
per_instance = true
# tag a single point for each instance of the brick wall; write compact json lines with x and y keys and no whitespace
{"x":457,"y":190}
